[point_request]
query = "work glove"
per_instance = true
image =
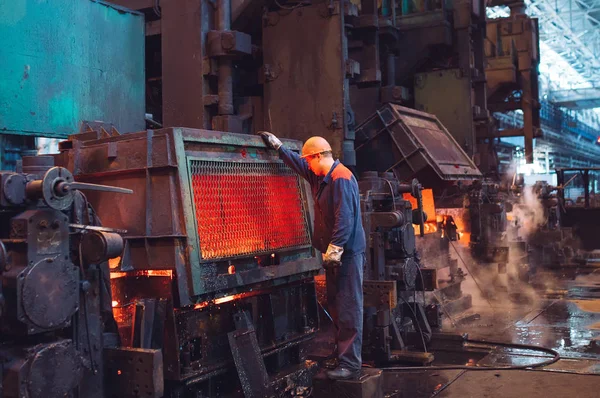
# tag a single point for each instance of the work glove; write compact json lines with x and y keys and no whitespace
{"x":270,"y":140}
{"x":333,"y":256}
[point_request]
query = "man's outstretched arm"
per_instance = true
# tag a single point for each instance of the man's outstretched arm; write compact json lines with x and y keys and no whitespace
{"x":289,"y":157}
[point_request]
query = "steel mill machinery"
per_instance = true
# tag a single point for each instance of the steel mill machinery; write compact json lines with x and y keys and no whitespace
{"x":408,"y":144}
{"x":216,"y":275}
{"x":577,"y":193}
{"x":55,"y":297}
{"x":242,"y":66}
{"x":487,"y":213}
{"x":565,"y":234}
{"x":393,"y":273}
{"x":351,"y":59}
{"x":550,"y":244}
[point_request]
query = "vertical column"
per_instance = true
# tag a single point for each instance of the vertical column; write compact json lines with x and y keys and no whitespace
{"x":225,"y":83}
{"x":183,"y":29}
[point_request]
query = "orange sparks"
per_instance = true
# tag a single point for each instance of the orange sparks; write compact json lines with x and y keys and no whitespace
{"x":224,"y":299}
{"x":115,"y":303}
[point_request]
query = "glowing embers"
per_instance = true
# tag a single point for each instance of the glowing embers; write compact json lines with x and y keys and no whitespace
{"x":431,"y":225}
{"x":455,"y":221}
{"x":247,"y":208}
{"x":113,"y":263}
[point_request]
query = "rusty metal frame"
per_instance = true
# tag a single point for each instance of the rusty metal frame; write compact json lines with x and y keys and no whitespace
{"x":161,"y":156}
{"x":198,"y":275}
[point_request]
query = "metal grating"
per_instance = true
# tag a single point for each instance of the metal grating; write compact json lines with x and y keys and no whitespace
{"x":247,"y":208}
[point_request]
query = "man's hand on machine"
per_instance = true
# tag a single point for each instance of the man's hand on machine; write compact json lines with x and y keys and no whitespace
{"x":270,"y":140}
{"x":333,"y":256}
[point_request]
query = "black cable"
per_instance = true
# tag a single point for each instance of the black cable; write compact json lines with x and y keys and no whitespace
{"x":290,"y":8}
{"x":437,"y":392}
{"x":555,"y":358}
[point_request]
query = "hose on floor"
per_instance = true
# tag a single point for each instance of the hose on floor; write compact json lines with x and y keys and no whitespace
{"x":550,"y":361}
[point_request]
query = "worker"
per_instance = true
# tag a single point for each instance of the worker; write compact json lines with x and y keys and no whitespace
{"x":338,"y":233}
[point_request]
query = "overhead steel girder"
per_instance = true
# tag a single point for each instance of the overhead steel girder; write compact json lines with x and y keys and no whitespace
{"x":583,"y":98}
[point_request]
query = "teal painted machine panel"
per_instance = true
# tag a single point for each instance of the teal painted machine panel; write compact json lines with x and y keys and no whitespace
{"x":65,"y":61}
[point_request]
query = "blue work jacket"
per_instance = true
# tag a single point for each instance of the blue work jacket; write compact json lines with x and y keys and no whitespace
{"x":337,"y":205}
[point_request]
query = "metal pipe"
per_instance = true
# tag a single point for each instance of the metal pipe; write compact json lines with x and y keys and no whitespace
{"x":224,"y":15}
{"x":225,"y":82}
{"x":391,"y":69}
{"x":225,"y":87}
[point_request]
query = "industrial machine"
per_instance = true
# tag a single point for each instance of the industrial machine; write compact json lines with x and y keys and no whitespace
{"x":393,"y":274}
{"x":487,"y":212}
{"x":216,"y":274}
{"x":569,"y":212}
{"x":495,"y":244}
{"x":55,"y":312}
{"x":578,"y":203}
{"x":408,"y":144}
{"x":213,"y":272}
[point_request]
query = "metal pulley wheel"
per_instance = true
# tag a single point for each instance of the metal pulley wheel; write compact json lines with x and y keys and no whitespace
{"x":52,"y":188}
{"x":57,"y":188}
{"x":56,"y":192}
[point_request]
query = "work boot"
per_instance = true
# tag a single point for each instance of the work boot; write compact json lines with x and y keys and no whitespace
{"x":341,"y":373}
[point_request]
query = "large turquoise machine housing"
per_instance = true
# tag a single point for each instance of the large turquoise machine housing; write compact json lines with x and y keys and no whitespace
{"x":63,"y":62}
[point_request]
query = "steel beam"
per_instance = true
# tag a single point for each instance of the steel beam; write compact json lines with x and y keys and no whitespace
{"x":135,"y":4}
{"x":584,"y":98}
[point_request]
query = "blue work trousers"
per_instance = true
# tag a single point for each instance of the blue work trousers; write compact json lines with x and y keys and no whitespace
{"x":345,"y":302}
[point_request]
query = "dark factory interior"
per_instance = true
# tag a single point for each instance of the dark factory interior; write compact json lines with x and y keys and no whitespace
{"x":299,"y":198}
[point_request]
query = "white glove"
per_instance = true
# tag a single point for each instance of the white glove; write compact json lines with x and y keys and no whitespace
{"x":333,"y":256}
{"x":270,"y":140}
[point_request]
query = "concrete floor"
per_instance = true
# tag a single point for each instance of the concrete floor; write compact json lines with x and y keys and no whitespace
{"x":562,"y":313}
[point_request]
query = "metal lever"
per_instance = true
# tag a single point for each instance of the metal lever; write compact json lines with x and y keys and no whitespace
{"x":65,"y":187}
{"x":417,"y":193}
{"x":97,"y":228}
{"x":421,"y":221}
{"x":415,"y":190}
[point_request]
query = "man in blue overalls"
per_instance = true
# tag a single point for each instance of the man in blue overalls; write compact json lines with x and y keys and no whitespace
{"x":338,"y":233}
